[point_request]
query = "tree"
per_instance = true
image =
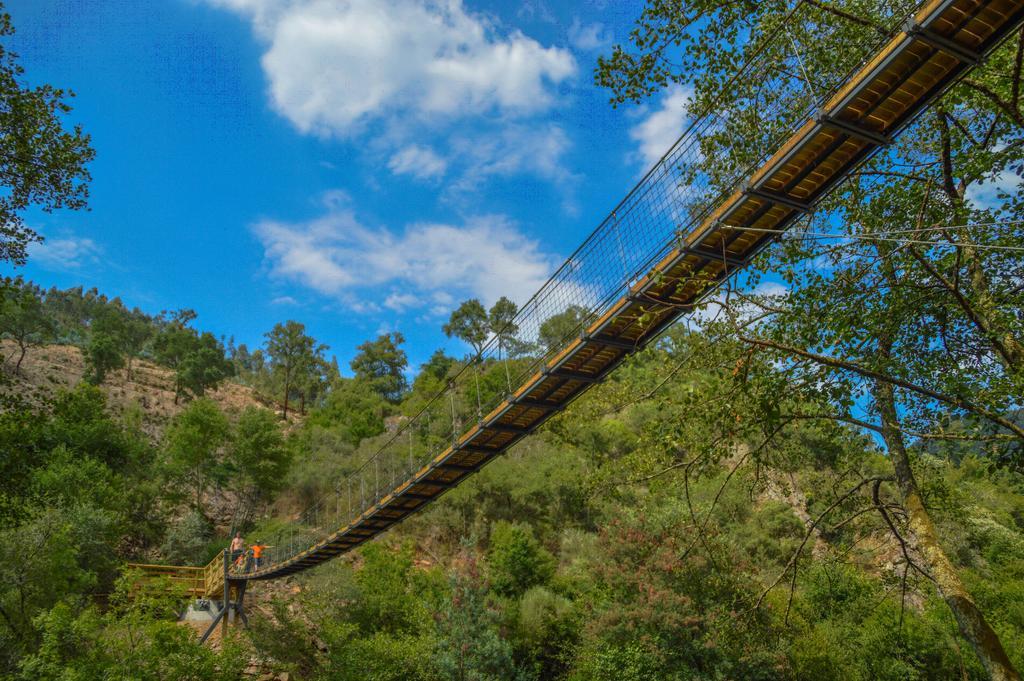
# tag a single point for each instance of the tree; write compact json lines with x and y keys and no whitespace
{"x":173,"y":343}
{"x":500,"y":322}
{"x":41,"y":163}
{"x":258,"y":457}
{"x":106,"y":348}
{"x":314,"y":379}
{"x":103,"y":354}
{"x":557,"y":328}
{"x":381,"y":364}
{"x":22,"y":318}
{"x":925,"y":330}
{"x":294,"y":356}
{"x":353,"y":410}
{"x":204,"y":366}
{"x":137,"y":332}
{"x":437,"y":367}
{"x":192,"y":443}
{"x":471,"y":645}
{"x":469,"y":322}
{"x":198,"y":360}
{"x":516,"y":560}
{"x":472,"y":323}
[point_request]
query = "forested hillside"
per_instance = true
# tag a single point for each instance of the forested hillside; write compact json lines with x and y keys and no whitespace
{"x":817,"y":474}
{"x":649,"y":532}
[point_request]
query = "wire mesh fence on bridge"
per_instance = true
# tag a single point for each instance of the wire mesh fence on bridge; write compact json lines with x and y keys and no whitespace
{"x":772,"y":94}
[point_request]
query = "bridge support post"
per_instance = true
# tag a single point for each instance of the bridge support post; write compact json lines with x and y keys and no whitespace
{"x":239,"y":602}
{"x":226,"y":605}
{"x":213,"y":625}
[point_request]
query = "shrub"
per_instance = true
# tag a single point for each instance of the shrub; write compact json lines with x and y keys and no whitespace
{"x":516,"y":560}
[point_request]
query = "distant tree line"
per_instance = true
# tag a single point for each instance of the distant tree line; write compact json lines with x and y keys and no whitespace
{"x":291,"y":369}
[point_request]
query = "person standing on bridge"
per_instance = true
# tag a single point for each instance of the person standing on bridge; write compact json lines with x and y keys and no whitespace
{"x":257,"y":553}
{"x":237,"y":547}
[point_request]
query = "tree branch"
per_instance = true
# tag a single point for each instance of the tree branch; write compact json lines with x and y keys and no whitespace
{"x":892,"y":380}
{"x":814,"y":524}
{"x":860,"y":21}
{"x":1000,"y":103}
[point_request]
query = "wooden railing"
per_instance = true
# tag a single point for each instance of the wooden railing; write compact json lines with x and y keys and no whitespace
{"x":198,"y":582}
{"x":213,"y":575}
{"x":191,"y":581}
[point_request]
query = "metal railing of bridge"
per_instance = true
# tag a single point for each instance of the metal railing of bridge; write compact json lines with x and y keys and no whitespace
{"x":662,"y":250}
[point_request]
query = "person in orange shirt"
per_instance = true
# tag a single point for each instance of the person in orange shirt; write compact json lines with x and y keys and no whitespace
{"x":257,"y":553}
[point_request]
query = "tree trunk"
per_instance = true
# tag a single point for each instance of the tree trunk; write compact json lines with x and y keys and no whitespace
{"x":972,"y":624}
{"x":17,"y":367}
{"x":286,"y":390}
{"x":984,"y":312}
{"x":1008,"y":347}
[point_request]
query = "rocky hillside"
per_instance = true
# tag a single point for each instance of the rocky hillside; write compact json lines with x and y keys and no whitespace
{"x":149,"y":391}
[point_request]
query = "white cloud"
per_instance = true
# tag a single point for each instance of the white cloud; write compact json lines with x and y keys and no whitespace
{"x":986,"y":195}
{"x":65,"y":253}
{"x":442,"y":298}
{"x":538,"y":150}
{"x":400,"y":302}
{"x":284,"y":300}
{"x":421,"y":162}
{"x":771,"y":289}
{"x":334,"y":66}
{"x":336,"y":255}
{"x":660,"y":129}
{"x":531,"y":10}
{"x":589,"y":37}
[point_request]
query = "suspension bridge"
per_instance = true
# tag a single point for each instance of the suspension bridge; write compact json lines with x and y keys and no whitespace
{"x":700,"y":215}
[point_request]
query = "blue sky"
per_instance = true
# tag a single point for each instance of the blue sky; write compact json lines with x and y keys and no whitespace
{"x":357,"y":165}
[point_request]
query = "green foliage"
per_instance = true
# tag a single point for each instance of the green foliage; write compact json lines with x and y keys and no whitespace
{"x":21,"y":313}
{"x":516,"y":561}
{"x":548,"y":628}
{"x":76,"y":487}
{"x":556,"y":329}
{"x":204,"y":366}
{"x":474,"y":324}
{"x":102,"y":355}
{"x":500,"y":318}
{"x":384,"y":585}
{"x":469,"y":323}
{"x":353,"y":410}
{"x":381,"y":365}
{"x":295,"y":360}
{"x":437,"y":368}
{"x":192,"y":443}
{"x":43,"y":164}
{"x":632,"y":661}
{"x":134,"y":640}
{"x":258,"y":453}
{"x":188,"y":538}
{"x":197,"y":359}
{"x":470,"y":645}
{"x":110,"y":335}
